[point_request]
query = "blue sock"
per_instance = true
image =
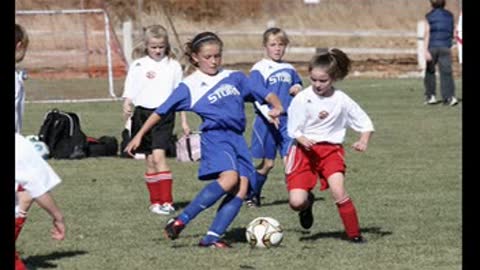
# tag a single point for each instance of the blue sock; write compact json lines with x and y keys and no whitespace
{"x":204,"y":199}
{"x":210,"y":237}
{"x":226,"y":213}
{"x":261,"y":179}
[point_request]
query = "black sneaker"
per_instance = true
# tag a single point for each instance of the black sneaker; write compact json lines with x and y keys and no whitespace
{"x":216,"y":244}
{"x":173,"y":228}
{"x":358,"y":240}
{"x":306,"y":216}
{"x":254,"y":202}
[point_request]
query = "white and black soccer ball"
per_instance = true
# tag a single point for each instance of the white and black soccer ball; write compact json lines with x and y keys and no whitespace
{"x":40,"y":146}
{"x":42,"y":149}
{"x":264,"y":232}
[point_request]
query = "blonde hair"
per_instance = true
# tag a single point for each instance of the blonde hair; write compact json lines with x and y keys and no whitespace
{"x":278,"y":33}
{"x":149,"y":32}
{"x":21,"y":40}
{"x":334,"y":61}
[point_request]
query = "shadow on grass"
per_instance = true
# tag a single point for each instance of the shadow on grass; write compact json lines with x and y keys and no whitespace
{"x":277,"y":202}
{"x":236,"y":235}
{"x":182,"y":205}
{"x":44,"y":261}
{"x":375,"y":232}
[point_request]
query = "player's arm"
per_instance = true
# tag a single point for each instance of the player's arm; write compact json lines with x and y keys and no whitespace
{"x":362,"y":144}
{"x":127,"y":108}
{"x":185,"y":126}
{"x":277,"y":108}
{"x":426,"y":41}
{"x":47,"y":202}
{"x":153,"y":119}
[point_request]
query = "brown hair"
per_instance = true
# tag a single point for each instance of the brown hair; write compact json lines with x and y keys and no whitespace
{"x":335,"y":62}
{"x":21,"y":37}
{"x":198,"y":41}
{"x":438,"y":3}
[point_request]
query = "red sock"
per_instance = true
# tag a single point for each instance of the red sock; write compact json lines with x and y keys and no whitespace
{"x":18,"y":263}
{"x":348,"y":214}
{"x":166,"y":186}
{"x":19,"y":221}
{"x":160,"y":187}
{"x":154,"y":188}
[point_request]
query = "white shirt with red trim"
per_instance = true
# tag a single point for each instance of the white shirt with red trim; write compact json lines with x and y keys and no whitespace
{"x":149,"y":83}
{"x":31,"y":170}
{"x":325,"y":119}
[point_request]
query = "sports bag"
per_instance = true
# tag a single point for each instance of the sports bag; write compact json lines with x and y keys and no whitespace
{"x":188,"y":147}
{"x":102,"y":147}
{"x":61,"y":132}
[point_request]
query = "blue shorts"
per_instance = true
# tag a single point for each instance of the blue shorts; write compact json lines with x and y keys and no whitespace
{"x":224,"y":150}
{"x":267,"y":140}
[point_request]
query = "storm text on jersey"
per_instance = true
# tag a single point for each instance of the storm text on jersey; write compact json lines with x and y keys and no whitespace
{"x":223,"y":91}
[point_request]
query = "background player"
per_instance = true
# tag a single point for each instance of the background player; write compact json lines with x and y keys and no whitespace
{"x":282,"y":79}
{"x":217,"y":96}
{"x":150,"y":80}
{"x":318,"y":118}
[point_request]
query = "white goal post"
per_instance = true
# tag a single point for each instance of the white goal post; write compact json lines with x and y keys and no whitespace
{"x":72,"y":43}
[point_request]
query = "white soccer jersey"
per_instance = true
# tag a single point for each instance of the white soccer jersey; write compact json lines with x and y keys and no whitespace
{"x":19,"y":100}
{"x":31,"y":170}
{"x":325,"y":119}
{"x":149,"y":83}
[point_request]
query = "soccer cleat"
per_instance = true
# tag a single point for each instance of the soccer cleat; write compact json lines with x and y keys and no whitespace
{"x":306,"y":215}
{"x":431,"y":100}
{"x":358,"y":240}
{"x":254,"y":202}
{"x":215,"y":244}
{"x":168,"y":207}
{"x":173,"y":228}
{"x":453,"y":101}
{"x":162,"y":209}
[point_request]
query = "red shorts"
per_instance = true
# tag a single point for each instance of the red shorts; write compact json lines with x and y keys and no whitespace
{"x":303,"y":168}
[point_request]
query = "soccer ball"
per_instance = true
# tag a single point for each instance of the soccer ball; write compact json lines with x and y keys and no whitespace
{"x":42,"y":149}
{"x":264,"y":232}
{"x":40,"y":146}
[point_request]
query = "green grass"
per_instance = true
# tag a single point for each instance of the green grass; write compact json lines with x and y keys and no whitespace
{"x":407,"y":190}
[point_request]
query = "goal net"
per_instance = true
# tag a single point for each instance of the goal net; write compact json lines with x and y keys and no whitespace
{"x":73,"y":55}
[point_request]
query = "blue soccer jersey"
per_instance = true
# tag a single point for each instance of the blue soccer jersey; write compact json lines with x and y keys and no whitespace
{"x":277,"y":78}
{"x":219,"y":101}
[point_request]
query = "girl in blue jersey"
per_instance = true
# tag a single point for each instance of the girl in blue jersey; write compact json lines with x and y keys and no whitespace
{"x":282,"y":79}
{"x":217,"y":96}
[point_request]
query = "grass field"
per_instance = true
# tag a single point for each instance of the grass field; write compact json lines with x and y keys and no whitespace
{"x":407,"y":188}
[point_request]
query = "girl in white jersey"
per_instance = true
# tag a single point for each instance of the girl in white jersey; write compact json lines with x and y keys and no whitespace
{"x":317,"y":119}
{"x":38,"y":179}
{"x":151,"y":79}
{"x":21,"y":45}
{"x":217,"y":95}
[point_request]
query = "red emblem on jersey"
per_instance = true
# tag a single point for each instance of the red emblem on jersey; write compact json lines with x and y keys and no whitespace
{"x":323,"y":114}
{"x":151,"y":74}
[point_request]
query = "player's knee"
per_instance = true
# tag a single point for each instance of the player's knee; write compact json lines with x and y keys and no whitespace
{"x":297,"y":203}
{"x":267,"y":166}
